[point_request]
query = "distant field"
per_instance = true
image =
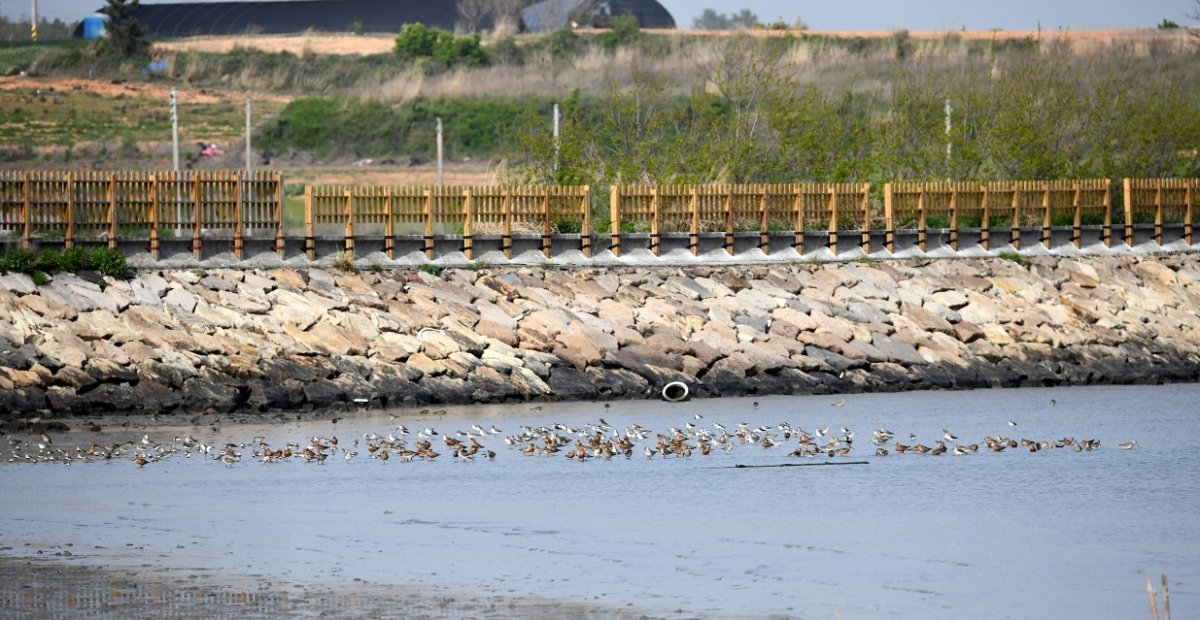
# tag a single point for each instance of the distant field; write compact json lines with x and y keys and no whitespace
{"x":73,"y":112}
{"x":347,"y":44}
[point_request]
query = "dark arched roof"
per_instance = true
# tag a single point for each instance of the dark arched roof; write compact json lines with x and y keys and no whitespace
{"x":291,"y":16}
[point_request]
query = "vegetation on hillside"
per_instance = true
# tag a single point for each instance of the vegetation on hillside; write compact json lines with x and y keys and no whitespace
{"x":644,"y":107}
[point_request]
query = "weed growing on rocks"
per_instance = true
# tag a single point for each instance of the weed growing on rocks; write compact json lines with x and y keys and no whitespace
{"x":107,"y":261}
{"x":345,"y":261}
{"x":431,"y":269}
{"x":1017,"y":258}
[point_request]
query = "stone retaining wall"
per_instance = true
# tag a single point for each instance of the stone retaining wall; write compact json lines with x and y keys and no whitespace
{"x":286,"y":339}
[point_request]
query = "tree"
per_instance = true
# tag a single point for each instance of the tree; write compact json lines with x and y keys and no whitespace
{"x":473,"y":14}
{"x":1195,"y":15}
{"x":126,"y":36}
{"x":712,"y":20}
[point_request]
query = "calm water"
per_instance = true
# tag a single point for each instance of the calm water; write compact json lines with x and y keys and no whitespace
{"x":1009,"y":535}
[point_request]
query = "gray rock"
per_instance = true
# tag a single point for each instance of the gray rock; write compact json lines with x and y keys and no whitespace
{"x":18,"y":283}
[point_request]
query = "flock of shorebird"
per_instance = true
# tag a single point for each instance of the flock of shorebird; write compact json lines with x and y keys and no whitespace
{"x":595,"y":440}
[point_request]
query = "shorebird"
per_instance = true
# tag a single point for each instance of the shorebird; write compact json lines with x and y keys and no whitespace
{"x":1129,"y":445}
{"x":1012,"y":423}
{"x":839,"y":402}
{"x":948,"y":435}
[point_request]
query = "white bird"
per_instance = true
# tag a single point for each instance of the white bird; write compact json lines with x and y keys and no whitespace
{"x":948,"y":435}
{"x":839,"y":402}
{"x":1129,"y":445}
{"x":1012,"y":422}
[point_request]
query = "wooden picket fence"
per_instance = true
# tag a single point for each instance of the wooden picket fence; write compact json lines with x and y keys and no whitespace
{"x":233,"y":206}
{"x":1167,"y":201}
{"x":998,"y":205}
{"x":470,"y":210}
{"x":729,"y":209}
{"x":137,"y":205}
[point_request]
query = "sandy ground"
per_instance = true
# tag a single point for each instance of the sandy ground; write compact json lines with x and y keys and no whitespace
{"x":347,"y":44}
{"x":107,"y":88}
{"x":59,"y":588}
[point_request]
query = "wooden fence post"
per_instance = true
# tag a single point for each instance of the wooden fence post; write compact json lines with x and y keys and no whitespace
{"x":277,"y":177}
{"x":729,"y":220}
{"x":546,"y":243}
{"x":26,"y":213}
{"x":866,"y":215}
{"x":1107,"y":232}
{"x":349,"y":213}
{"x":310,"y":236}
{"x":1158,"y":211}
{"x":1077,"y":203}
{"x":922,"y":232}
{"x":833,"y":218}
{"x":1015,"y":235}
{"x":1046,"y":220}
{"x":798,"y":205}
{"x":197,"y":214}
{"x":764,"y":239}
{"x":1128,"y":212}
{"x":239,"y":229}
{"x":614,"y":219}
{"x":1187,"y":213}
{"x":954,"y":218}
{"x":694,"y":225}
{"x":112,"y":210}
{"x":428,"y":225}
{"x":985,"y":227}
{"x":69,"y":240}
{"x":585,"y":227}
{"x":154,"y":216}
{"x":889,"y":216}
{"x":654,"y":222}
{"x":468,"y":226}
{"x":506,"y":237}
{"x":389,"y":227}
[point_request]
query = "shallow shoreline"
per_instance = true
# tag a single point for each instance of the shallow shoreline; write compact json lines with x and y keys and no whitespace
{"x":269,"y":341}
{"x":36,"y":587}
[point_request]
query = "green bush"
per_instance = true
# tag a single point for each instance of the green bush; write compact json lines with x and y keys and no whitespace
{"x":105,"y":260}
{"x":431,"y":269}
{"x":416,"y":42}
{"x":622,"y":30}
{"x":19,"y":261}
{"x":111,"y":263}
{"x":40,"y":278}
{"x":75,"y":259}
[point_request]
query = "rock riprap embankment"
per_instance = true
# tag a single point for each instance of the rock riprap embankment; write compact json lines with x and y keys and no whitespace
{"x":237,"y":340}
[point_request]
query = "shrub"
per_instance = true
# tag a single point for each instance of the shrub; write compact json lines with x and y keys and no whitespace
{"x":110,"y":262}
{"x":416,"y":41}
{"x":19,"y":261}
{"x":431,"y":269}
{"x":40,"y":278}
{"x":344,"y":261}
{"x":622,"y":30}
{"x":75,"y":259}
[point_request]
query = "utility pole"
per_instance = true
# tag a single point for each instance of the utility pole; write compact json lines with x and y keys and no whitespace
{"x":439,"y":168}
{"x":247,"y":136}
{"x":557,"y":136}
{"x":948,"y":146}
{"x":33,"y":22}
{"x":175,"y":130}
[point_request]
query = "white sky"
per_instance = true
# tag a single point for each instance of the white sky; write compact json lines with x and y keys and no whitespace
{"x":853,"y":14}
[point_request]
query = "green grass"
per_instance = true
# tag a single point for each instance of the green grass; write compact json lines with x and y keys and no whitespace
{"x":1016,"y":258}
{"x":69,"y":118}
